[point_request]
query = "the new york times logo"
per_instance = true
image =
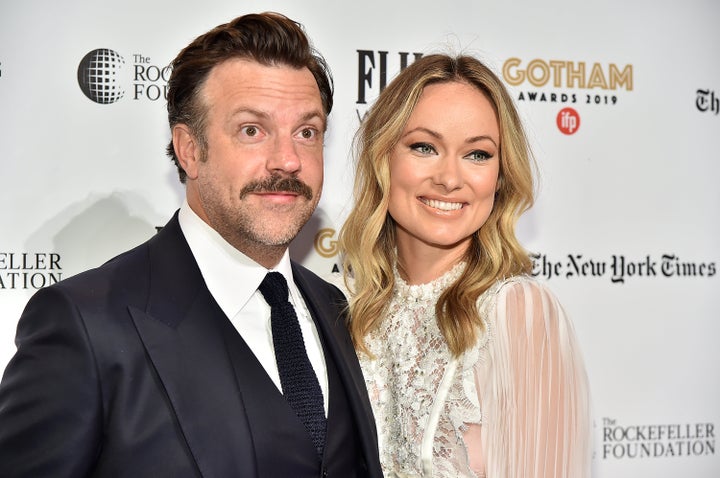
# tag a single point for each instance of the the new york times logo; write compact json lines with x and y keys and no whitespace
{"x":373,"y":73}
{"x":25,"y":270}
{"x":707,"y":101}
{"x":103,"y":78}
{"x":619,"y":268}
{"x":655,"y":441}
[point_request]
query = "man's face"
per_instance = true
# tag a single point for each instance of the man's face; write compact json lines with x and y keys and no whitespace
{"x":261,"y":177}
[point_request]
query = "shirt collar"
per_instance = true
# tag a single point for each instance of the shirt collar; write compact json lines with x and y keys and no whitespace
{"x":231,"y":277}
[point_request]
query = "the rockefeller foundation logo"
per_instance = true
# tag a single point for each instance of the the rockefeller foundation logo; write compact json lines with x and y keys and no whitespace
{"x":26,"y":270}
{"x":620,"y":441}
{"x":98,"y":76}
{"x":105,"y":78}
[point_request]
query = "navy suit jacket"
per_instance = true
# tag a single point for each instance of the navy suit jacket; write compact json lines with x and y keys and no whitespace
{"x":122,"y":371}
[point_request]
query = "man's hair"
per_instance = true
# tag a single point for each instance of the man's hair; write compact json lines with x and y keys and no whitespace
{"x":269,"y":38}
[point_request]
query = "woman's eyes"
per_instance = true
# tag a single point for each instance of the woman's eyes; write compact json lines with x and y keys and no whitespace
{"x":479,"y":155}
{"x":429,"y":149}
{"x":423,"y":148}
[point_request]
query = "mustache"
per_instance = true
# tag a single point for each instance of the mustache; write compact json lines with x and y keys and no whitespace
{"x":276,"y":183}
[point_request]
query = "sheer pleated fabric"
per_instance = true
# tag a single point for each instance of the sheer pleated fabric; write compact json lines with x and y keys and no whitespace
{"x":515,"y":405}
{"x":533,"y":388}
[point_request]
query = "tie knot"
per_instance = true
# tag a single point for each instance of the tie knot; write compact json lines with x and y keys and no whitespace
{"x":274,"y":288}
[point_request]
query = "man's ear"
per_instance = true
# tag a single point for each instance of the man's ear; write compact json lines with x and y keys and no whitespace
{"x":187,"y":149}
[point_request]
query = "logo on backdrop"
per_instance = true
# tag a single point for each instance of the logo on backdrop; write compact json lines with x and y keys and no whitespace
{"x":373,"y":73}
{"x":326,"y":245}
{"x":26,"y":270}
{"x":568,"y":120}
{"x":564,"y":82}
{"x":103,"y":77}
{"x":98,"y":75}
{"x":707,"y":101}
{"x":557,"y":81}
{"x":656,"y":440}
{"x":620,"y":268}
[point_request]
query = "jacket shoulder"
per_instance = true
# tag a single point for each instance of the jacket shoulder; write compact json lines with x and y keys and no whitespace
{"x":308,"y":278}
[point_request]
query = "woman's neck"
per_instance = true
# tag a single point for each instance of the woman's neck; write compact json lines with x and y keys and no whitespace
{"x":420,"y":263}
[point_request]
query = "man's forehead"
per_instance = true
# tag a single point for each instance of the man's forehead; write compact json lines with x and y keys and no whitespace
{"x":246,"y":83}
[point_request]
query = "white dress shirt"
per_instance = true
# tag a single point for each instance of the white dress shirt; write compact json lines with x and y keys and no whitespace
{"x":233,"y":280}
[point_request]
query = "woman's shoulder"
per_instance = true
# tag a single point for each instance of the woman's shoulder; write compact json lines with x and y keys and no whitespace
{"x":522,"y":280}
{"x":519,"y":296}
{"x":524,"y":285}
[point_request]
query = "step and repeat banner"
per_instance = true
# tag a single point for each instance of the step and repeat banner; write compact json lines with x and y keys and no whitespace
{"x":622,"y":104}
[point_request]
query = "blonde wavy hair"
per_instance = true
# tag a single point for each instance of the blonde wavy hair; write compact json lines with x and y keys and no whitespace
{"x":367,"y":239}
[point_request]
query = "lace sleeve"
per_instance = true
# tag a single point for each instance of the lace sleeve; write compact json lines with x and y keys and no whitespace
{"x":534,"y":391}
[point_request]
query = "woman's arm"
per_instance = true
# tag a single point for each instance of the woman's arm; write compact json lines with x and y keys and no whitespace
{"x":535,"y":396}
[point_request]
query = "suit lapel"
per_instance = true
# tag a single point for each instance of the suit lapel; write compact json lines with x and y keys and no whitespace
{"x":182,"y":333}
{"x":181,"y":329}
{"x":331,"y":326}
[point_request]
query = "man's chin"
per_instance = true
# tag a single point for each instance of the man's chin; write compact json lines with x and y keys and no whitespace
{"x":274,"y":228}
{"x":278,"y":238}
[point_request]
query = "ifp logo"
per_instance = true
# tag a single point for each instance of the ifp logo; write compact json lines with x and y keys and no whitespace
{"x":98,"y":74}
{"x":568,"y":121}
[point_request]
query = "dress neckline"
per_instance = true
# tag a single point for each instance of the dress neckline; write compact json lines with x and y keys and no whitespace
{"x":429,"y":289}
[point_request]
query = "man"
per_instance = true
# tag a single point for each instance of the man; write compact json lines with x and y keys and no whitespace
{"x":162,"y":362}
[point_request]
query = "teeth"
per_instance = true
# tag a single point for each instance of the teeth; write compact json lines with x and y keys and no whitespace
{"x":442,"y":205}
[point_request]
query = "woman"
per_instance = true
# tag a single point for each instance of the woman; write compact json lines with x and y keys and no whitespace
{"x":471,"y":365}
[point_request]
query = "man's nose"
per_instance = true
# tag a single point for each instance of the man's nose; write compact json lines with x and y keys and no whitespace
{"x":283,"y":158}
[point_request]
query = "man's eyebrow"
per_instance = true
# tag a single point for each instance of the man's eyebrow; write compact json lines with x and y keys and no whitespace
{"x":263,"y":115}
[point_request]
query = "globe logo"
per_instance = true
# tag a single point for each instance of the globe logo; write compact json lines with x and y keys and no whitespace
{"x":97,"y":76}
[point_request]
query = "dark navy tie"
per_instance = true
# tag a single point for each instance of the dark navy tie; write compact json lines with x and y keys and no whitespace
{"x":297,"y":377}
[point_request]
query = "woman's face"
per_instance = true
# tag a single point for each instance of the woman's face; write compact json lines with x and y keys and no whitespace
{"x":444,"y":170}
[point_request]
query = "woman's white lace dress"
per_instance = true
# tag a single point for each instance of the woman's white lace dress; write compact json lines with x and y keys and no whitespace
{"x":515,"y":405}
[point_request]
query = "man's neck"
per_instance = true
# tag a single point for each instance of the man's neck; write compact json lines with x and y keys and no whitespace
{"x":266,"y":256}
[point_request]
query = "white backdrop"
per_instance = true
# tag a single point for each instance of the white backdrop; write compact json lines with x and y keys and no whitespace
{"x":625,"y":229}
